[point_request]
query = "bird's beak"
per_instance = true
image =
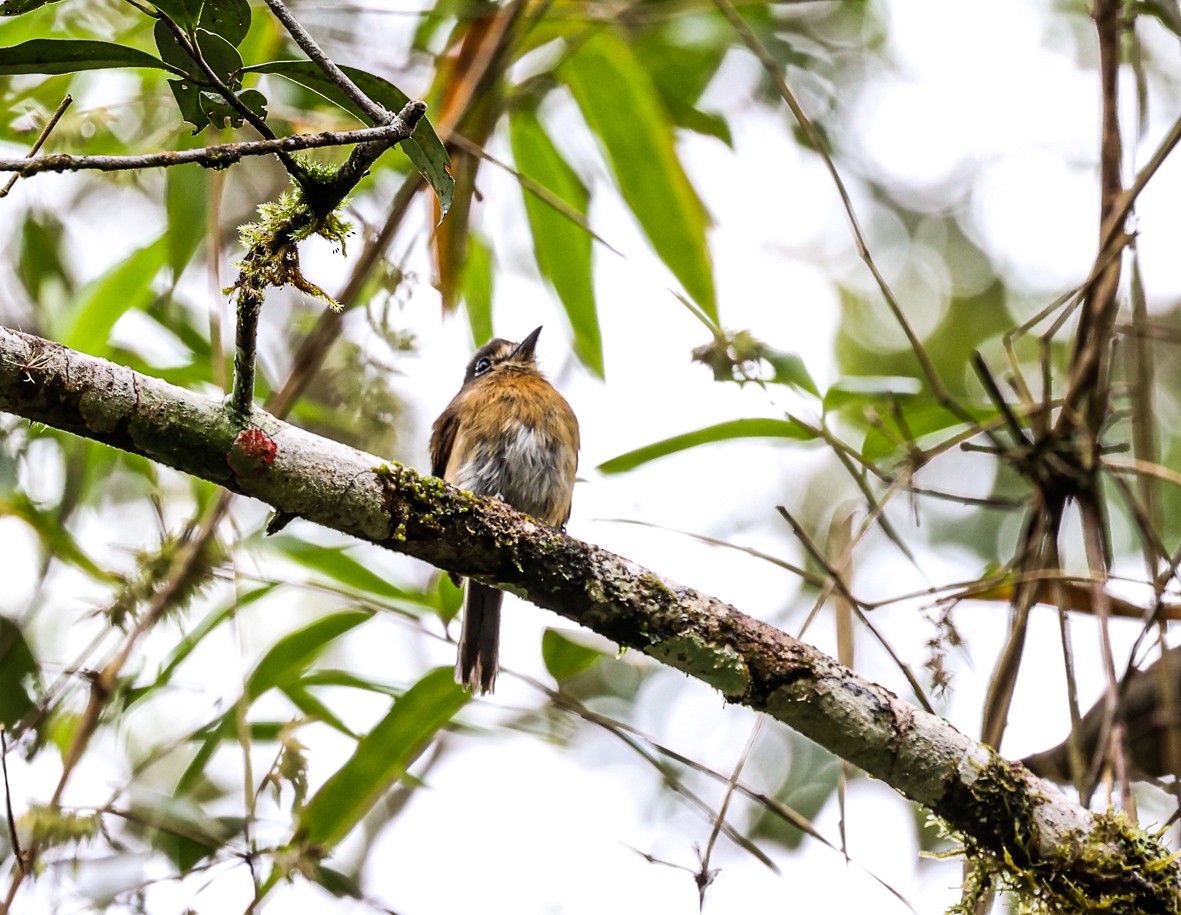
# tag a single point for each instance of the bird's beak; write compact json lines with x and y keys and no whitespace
{"x":524,"y":350}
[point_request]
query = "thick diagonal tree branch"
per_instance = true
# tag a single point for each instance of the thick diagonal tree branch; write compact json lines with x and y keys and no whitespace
{"x":1049,"y":844}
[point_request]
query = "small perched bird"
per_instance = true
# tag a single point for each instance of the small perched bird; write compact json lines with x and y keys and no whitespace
{"x":509,"y":434}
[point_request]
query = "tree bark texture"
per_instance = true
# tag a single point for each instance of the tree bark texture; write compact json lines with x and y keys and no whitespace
{"x":1047,"y":842}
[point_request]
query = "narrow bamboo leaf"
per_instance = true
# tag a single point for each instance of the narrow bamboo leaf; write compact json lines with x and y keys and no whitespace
{"x":562,"y":248}
{"x":339,"y":566}
{"x":737,"y":428}
{"x":214,"y":619}
{"x":622,"y":107}
{"x":103,"y":301}
{"x":185,"y":199}
{"x":862,"y":389}
{"x":53,"y":533}
{"x":424,"y":148}
{"x":381,"y":758}
{"x":67,"y":55}
{"x":565,"y":657}
{"x":478,"y":279}
{"x":290,"y":656}
{"x":314,"y":709}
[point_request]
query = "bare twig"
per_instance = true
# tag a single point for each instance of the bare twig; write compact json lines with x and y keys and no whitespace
{"x":219,"y":156}
{"x":41,"y":138}
{"x":315,"y":53}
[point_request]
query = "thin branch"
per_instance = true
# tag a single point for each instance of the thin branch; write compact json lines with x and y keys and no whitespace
{"x":220,"y":156}
{"x":41,"y":138}
{"x":377,"y":113}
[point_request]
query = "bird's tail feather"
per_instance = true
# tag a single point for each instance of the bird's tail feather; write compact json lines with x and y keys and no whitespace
{"x":479,"y":640}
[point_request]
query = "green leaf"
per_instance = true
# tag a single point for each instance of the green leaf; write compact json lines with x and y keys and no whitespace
{"x":336,"y":564}
{"x":18,"y":670}
{"x":858,"y":389}
{"x":622,"y":108}
{"x":228,"y":18}
{"x":103,"y":301}
{"x":562,"y":247}
{"x":42,"y":269}
{"x":222,"y":114}
{"x":736,"y":428}
{"x":51,"y":56}
{"x":314,"y":709}
{"x":55,"y":536}
{"x":185,"y":198}
{"x":290,"y":656}
{"x":215,"y":618}
{"x":188,"y":99}
{"x":221,"y":56}
{"x":478,"y":278}
{"x":565,"y":657}
{"x":381,"y":758}
{"x":424,"y":148}
{"x":790,"y":369}
{"x":16,"y":7}
{"x":184,"y":13}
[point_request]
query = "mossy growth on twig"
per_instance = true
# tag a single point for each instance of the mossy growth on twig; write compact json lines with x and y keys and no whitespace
{"x":272,"y":256}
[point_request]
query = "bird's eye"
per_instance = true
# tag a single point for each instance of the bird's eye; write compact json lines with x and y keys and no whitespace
{"x":483,"y":365}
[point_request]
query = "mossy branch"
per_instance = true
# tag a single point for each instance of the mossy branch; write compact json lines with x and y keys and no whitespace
{"x":1045,"y":842}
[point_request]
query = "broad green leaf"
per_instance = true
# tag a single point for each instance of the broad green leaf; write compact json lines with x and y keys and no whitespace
{"x":222,"y":114}
{"x":103,"y":301}
{"x":16,"y":7}
{"x":381,"y":758}
{"x":336,"y":564}
{"x":623,"y":109}
{"x":18,"y":670}
{"x":187,"y":95}
{"x":221,"y":56}
{"x":478,"y":278}
{"x":565,"y":657}
{"x":424,"y":148}
{"x":290,"y":656}
{"x":228,"y":18}
{"x":562,"y":248}
{"x":184,"y":13}
{"x":66,"y":55}
{"x":185,"y":199}
{"x":737,"y":428}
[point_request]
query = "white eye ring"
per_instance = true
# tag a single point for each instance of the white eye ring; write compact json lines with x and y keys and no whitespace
{"x":483,"y":365}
